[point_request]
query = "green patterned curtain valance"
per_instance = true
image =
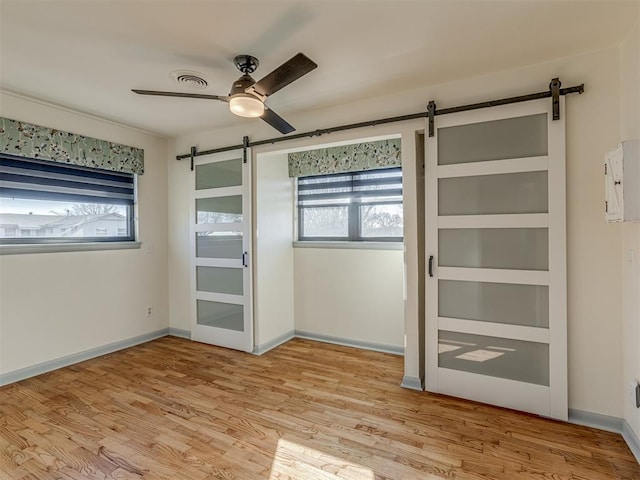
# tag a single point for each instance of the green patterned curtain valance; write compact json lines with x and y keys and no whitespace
{"x":347,"y":158}
{"x":28,"y":140}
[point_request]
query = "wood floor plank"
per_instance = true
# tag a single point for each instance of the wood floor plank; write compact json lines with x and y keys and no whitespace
{"x":175,"y":409}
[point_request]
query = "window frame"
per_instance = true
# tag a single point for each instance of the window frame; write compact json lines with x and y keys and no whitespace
{"x":31,"y":243}
{"x":354,"y":213}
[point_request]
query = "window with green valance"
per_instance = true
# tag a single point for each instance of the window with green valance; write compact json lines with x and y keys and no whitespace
{"x":34,"y":141}
{"x":356,"y":157}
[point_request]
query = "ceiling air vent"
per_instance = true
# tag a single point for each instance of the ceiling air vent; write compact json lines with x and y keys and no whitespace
{"x":189,"y":79}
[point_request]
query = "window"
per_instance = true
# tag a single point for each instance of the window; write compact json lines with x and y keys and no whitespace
{"x":355,"y":206}
{"x":63,"y":203}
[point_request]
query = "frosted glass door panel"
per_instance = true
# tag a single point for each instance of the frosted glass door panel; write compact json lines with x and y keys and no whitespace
{"x":495,"y":295}
{"x":219,"y":245}
{"x":221,"y":315}
{"x":514,"y":304}
{"x":510,"y":248}
{"x":219,"y":174}
{"x":219,"y":280}
{"x":496,"y":140}
{"x":497,"y":357}
{"x":219,"y":209}
{"x":506,"y":193}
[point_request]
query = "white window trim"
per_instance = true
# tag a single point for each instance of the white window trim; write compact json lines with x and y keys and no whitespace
{"x":67,"y":247}
{"x":358,"y":245}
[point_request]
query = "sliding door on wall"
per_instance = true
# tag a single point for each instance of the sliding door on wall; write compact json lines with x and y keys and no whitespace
{"x":495,"y":234}
{"x":220,"y":235}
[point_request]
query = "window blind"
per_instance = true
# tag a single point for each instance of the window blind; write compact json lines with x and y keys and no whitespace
{"x":42,"y":180}
{"x":356,"y":206}
{"x":379,"y":186}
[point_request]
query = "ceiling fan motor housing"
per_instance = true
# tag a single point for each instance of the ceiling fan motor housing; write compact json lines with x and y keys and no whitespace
{"x":247,"y":65}
{"x":240,"y":85}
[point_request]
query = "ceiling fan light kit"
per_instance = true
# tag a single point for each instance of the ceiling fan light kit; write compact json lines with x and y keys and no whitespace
{"x":246,"y":105}
{"x":246,"y":98}
{"x":242,"y":103}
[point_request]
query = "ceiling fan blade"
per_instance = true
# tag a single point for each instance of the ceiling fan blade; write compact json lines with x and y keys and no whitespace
{"x":276,"y":121}
{"x":180,"y":94}
{"x":288,"y":72}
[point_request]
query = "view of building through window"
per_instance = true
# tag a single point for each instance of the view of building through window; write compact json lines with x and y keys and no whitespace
{"x":28,"y":218}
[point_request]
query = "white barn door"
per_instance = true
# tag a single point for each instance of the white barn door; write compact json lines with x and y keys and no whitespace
{"x":221,"y":235}
{"x":496,"y":288}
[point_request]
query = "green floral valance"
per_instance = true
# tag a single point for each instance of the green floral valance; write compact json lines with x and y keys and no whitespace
{"x":347,"y":158}
{"x":28,"y":140}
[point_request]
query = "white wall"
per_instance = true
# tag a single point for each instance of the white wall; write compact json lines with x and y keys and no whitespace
{"x":179,"y":246}
{"x":58,"y":304}
{"x":273,"y":259}
{"x":357,"y":295}
{"x":594,"y":260}
{"x":630,"y":51}
{"x":350,"y":294}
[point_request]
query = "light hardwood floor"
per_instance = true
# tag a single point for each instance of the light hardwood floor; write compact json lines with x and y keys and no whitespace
{"x":183,"y":410}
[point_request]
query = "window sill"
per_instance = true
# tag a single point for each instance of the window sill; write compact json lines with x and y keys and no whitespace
{"x":351,"y":245}
{"x":66,"y":247}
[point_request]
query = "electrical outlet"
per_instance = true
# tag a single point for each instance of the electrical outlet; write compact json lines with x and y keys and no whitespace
{"x":149,"y":311}
{"x":631,"y":257}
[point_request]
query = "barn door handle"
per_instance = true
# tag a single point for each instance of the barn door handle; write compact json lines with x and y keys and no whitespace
{"x":245,"y":255}
{"x":431,"y":265}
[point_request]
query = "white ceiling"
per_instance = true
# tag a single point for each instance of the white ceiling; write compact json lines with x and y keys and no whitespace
{"x":88,"y":54}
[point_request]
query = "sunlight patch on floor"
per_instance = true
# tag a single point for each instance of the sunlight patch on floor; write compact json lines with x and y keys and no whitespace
{"x":295,"y":461}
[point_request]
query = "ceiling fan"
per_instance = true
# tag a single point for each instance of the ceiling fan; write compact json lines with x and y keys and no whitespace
{"x":247,"y":96}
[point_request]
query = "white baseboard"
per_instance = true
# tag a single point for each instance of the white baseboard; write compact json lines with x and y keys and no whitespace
{"x":44,"y":367}
{"x":632,"y":439}
{"x":595,"y":420}
{"x":270,"y":345}
{"x":179,"y":332}
{"x":412,"y":383}
{"x":377,"y":347}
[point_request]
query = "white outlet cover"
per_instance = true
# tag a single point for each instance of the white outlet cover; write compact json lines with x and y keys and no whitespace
{"x":631,"y":257}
